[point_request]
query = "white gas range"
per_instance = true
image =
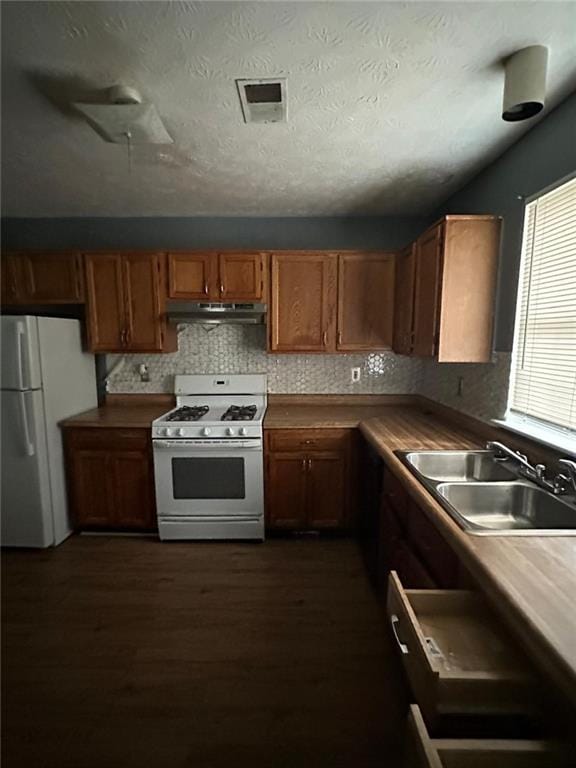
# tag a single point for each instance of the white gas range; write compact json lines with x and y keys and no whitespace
{"x":208,"y":459}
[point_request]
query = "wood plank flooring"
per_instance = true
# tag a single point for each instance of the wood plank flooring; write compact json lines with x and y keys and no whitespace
{"x":127,"y":652}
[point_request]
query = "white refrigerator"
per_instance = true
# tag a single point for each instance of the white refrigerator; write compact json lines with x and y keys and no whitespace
{"x":45,"y":377}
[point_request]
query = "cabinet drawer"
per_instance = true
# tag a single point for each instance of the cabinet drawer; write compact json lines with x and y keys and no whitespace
{"x":107,"y":438}
{"x":457,"y":657}
{"x":308,"y":439}
{"x":421,"y":751}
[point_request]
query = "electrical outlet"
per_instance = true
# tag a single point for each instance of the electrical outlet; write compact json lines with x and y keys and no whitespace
{"x":355,"y":374}
{"x":144,"y":372}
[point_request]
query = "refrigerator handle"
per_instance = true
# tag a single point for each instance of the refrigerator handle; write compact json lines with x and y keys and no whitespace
{"x":20,"y":338}
{"x":28,"y":444}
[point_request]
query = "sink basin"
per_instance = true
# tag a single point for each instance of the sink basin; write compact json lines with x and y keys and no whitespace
{"x":458,"y":466}
{"x":510,"y":507}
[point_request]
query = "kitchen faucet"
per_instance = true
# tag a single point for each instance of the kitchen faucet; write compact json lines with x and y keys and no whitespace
{"x":537,"y":473}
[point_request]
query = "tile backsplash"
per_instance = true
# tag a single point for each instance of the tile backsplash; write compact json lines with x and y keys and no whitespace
{"x":480,"y":389}
{"x":242,"y":349}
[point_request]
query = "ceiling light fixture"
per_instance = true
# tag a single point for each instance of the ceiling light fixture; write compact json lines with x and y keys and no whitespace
{"x":525,"y":83}
{"x":126,"y":117}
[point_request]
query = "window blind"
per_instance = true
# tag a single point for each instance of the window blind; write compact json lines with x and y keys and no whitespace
{"x":543,"y":380}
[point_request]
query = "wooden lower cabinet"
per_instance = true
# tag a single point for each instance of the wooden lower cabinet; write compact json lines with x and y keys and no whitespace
{"x":410,"y":544}
{"x":308,"y":479}
{"x":110,"y":478}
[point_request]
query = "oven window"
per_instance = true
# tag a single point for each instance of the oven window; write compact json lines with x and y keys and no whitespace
{"x":210,"y":478}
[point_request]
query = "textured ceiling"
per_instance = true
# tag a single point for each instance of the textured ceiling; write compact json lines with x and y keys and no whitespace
{"x":391,"y":106}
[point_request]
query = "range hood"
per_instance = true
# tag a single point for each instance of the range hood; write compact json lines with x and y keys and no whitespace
{"x":208,"y":313}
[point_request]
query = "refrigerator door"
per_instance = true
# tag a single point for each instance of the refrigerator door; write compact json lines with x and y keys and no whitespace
{"x":69,"y":378}
{"x":26,"y":498}
{"x":20,"y":353}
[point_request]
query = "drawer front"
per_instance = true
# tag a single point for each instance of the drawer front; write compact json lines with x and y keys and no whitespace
{"x":283,"y":440}
{"x":106,"y":438}
{"x":468,"y":665}
{"x":411,"y":645}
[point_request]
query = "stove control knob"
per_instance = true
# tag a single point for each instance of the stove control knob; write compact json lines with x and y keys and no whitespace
{"x":243,"y":431}
{"x":180,"y":432}
{"x":206,"y":431}
{"x":168,"y":432}
{"x":230,"y":431}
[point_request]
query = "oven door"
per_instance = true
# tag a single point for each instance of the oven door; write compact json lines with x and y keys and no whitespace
{"x":209,"y":479}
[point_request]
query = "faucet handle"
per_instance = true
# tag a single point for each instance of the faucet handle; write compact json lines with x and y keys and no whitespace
{"x":570,"y":467}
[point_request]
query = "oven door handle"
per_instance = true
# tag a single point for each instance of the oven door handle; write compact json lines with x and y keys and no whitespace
{"x":203,"y":445}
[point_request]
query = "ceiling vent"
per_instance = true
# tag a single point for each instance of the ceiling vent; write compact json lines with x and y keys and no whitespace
{"x":263,"y":100}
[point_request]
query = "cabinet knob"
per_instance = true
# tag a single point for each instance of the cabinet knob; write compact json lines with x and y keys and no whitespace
{"x":206,"y":289}
{"x":221,"y":288}
{"x":324,"y":338}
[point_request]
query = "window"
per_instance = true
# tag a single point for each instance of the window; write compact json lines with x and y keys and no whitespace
{"x":542,"y":396}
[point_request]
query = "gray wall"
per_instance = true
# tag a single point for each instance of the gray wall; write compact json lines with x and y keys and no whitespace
{"x":200,"y":232}
{"x":544,"y":155}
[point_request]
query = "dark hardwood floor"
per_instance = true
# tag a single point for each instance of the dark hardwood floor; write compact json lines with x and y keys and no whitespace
{"x":128,"y":652}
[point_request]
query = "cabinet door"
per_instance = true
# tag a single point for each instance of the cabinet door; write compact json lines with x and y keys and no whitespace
{"x":327,"y":490}
{"x":241,"y":276}
{"x":9,"y":285}
{"x":143,"y":302}
{"x":286,"y":491}
{"x":91,"y":497}
{"x":303,"y":316}
{"x":105,"y":302}
{"x":404,"y":301}
{"x":192,"y":276}
{"x":427,"y":292}
{"x":365,"y":301}
{"x":51,"y":278}
{"x":131,"y":475}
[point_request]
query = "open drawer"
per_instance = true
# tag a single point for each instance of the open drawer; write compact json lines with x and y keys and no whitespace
{"x":423,"y":752}
{"x":458,"y":658}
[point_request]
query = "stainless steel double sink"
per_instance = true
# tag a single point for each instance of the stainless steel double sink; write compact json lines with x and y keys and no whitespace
{"x":486,"y":497}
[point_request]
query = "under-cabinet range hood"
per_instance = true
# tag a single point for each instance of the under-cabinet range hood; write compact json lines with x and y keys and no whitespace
{"x":208,"y":313}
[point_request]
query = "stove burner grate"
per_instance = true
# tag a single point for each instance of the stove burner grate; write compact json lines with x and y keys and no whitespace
{"x":240,"y":413}
{"x":188,"y":413}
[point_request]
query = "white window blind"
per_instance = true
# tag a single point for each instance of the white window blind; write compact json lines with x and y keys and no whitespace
{"x":543,"y":380}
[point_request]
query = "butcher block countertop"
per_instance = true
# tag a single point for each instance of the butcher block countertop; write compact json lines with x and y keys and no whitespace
{"x":123,"y":413}
{"x":530,"y":580}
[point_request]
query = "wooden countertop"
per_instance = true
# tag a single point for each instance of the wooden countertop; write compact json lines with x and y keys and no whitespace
{"x":117,"y":416}
{"x":530,"y":580}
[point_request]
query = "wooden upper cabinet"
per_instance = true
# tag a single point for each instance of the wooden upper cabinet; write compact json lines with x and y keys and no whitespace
{"x":241,"y":276}
{"x":125,"y":298}
{"x":42,"y":277}
{"x":471,"y":250}
{"x":106,"y":315}
{"x":143,"y":302}
{"x":456,"y":263}
{"x":192,"y":276}
{"x":365,"y":301}
{"x":52,"y":278}
{"x":8,"y":285}
{"x":210,"y":276}
{"x":426,"y":291}
{"x":404,"y":301}
{"x":303,"y":302}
